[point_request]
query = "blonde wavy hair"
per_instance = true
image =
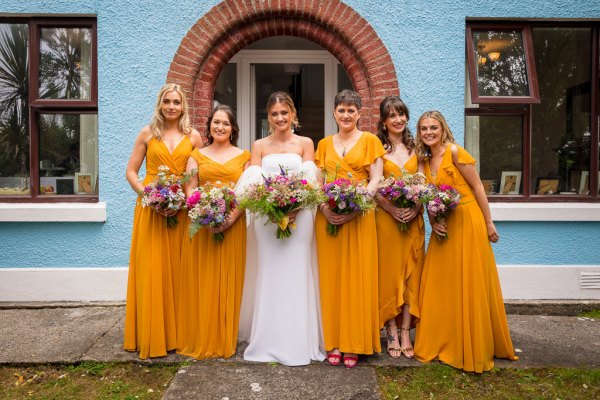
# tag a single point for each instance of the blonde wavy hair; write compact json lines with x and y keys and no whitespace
{"x":157,"y":123}
{"x":284,"y":98}
{"x":423,"y":151}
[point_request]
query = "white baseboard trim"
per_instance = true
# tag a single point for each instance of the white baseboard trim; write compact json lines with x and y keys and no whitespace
{"x":550,"y":282}
{"x":53,"y":212}
{"x":63,"y":284}
{"x":519,"y":282}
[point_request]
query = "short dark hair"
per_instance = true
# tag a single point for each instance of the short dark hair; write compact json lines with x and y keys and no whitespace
{"x":235,"y":129}
{"x":349,"y":97}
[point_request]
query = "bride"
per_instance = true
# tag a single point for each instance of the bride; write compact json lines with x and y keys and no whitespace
{"x":280,"y":317}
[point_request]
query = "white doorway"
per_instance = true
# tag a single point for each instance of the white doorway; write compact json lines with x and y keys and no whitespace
{"x":311,"y":76}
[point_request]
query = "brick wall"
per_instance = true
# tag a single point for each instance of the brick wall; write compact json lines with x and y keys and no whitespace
{"x":233,"y":24}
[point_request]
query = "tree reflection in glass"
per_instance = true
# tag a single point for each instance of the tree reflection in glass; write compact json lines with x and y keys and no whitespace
{"x":14,"y":119}
{"x":501,"y":66}
{"x":65,"y":63}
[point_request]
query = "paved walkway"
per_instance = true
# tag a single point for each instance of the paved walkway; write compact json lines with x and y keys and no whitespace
{"x":70,"y":333}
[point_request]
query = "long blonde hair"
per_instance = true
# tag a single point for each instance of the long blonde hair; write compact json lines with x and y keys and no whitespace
{"x":157,"y":123}
{"x":284,"y":98}
{"x":423,"y":151}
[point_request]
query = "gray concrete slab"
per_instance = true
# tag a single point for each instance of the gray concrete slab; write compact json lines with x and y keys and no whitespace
{"x":38,"y":335}
{"x":232,"y":381}
{"x":110,"y":347}
{"x":554,"y":341}
{"x":52,"y":335}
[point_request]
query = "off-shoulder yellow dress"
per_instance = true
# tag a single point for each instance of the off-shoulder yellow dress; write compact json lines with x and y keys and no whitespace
{"x":401,"y":255}
{"x":463,"y":322}
{"x":150,"y":325}
{"x":212,"y":275}
{"x":348,"y":261}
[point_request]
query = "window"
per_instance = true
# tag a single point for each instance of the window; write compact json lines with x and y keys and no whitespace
{"x":503,"y":69}
{"x":532,"y":109}
{"x":48,"y":110}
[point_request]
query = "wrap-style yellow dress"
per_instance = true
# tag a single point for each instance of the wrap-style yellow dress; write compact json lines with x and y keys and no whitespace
{"x":463,"y":321}
{"x":401,"y":255}
{"x":348,"y":261}
{"x":212,"y":275}
{"x":150,"y":325}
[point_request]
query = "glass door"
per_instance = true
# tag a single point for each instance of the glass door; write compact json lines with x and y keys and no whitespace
{"x":310,"y":77}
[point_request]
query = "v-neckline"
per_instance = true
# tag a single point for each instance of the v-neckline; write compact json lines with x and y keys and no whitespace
{"x":176,"y":147}
{"x":351,"y":148}
{"x":401,"y":167}
{"x":220,"y":163}
{"x":436,"y":174}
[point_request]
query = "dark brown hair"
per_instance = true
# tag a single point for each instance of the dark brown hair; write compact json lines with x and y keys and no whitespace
{"x":235,"y":129}
{"x":387,"y":105}
{"x":348,"y":97}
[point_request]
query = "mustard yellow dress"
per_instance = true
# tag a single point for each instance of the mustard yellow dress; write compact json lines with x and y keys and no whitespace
{"x":150,"y":325}
{"x":463,"y":321}
{"x":348,"y":261}
{"x":401,"y":255}
{"x":212,"y":275}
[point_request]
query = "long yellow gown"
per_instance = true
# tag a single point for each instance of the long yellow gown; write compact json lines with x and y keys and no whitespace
{"x":463,"y":321}
{"x":348,"y":261}
{"x":401,"y":255}
{"x":212,"y":275}
{"x":150,"y":325}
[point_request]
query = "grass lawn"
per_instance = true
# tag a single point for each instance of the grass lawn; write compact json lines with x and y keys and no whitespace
{"x":590,"y":314}
{"x":88,"y":380}
{"x":437,"y":381}
{"x":94,"y":380}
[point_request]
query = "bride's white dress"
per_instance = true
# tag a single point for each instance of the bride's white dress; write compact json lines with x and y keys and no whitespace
{"x":280,"y":315}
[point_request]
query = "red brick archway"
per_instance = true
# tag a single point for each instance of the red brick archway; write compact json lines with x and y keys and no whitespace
{"x":234,"y":24}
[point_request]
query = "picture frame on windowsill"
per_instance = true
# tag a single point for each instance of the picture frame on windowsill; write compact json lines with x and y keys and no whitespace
{"x":510,"y":182}
{"x":547,"y":185}
{"x":83,"y":183}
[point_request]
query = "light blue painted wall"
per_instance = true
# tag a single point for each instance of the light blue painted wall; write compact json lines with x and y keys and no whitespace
{"x":136,"y":43}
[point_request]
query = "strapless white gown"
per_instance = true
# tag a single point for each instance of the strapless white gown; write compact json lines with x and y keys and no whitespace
{"x":280,"y":315}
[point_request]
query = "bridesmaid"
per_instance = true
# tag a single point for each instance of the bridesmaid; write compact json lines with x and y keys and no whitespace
{"x":463,"y":322}
{"x":348,"y":261}
{"x":150,"y":326}
{"x":401,"y":254}
{"x":212,"y":275}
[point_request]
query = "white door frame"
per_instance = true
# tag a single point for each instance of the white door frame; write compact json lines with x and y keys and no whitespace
{"x":246,"y":107}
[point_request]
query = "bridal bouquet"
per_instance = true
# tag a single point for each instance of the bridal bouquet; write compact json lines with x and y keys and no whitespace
{"x":210,"y":205}
{"x":165,"y":193}
{"x":404,"y":192}
{"x":279,"y":195}
{"x":344,"y":197}
{"x":440,"y":201}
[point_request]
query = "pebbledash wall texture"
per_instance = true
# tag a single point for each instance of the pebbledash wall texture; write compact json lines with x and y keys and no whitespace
{"x":409,"y":48}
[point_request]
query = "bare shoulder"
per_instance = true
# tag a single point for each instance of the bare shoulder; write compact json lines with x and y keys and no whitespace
{"x":454,"y":151}
{"x":303,"y":140}
{"x":259,"y":144}
{"x":196,"y":139}
{"x":145,"y":135}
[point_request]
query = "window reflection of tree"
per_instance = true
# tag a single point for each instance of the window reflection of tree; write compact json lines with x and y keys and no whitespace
{"x":506,"y":76}
{"x":14,"y":118}
{"x":63,"y":62}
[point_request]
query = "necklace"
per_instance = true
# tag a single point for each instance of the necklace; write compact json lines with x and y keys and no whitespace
{"x":347,"y":142}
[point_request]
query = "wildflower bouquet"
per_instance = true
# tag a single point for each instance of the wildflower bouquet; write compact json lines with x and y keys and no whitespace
{"x":403,"y":192}
{"x":344,"y":197}
{"x":279,"y":195}
{"x":440,"y":201}
{"x":210,"y":205}
{"x":165,"y":193}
